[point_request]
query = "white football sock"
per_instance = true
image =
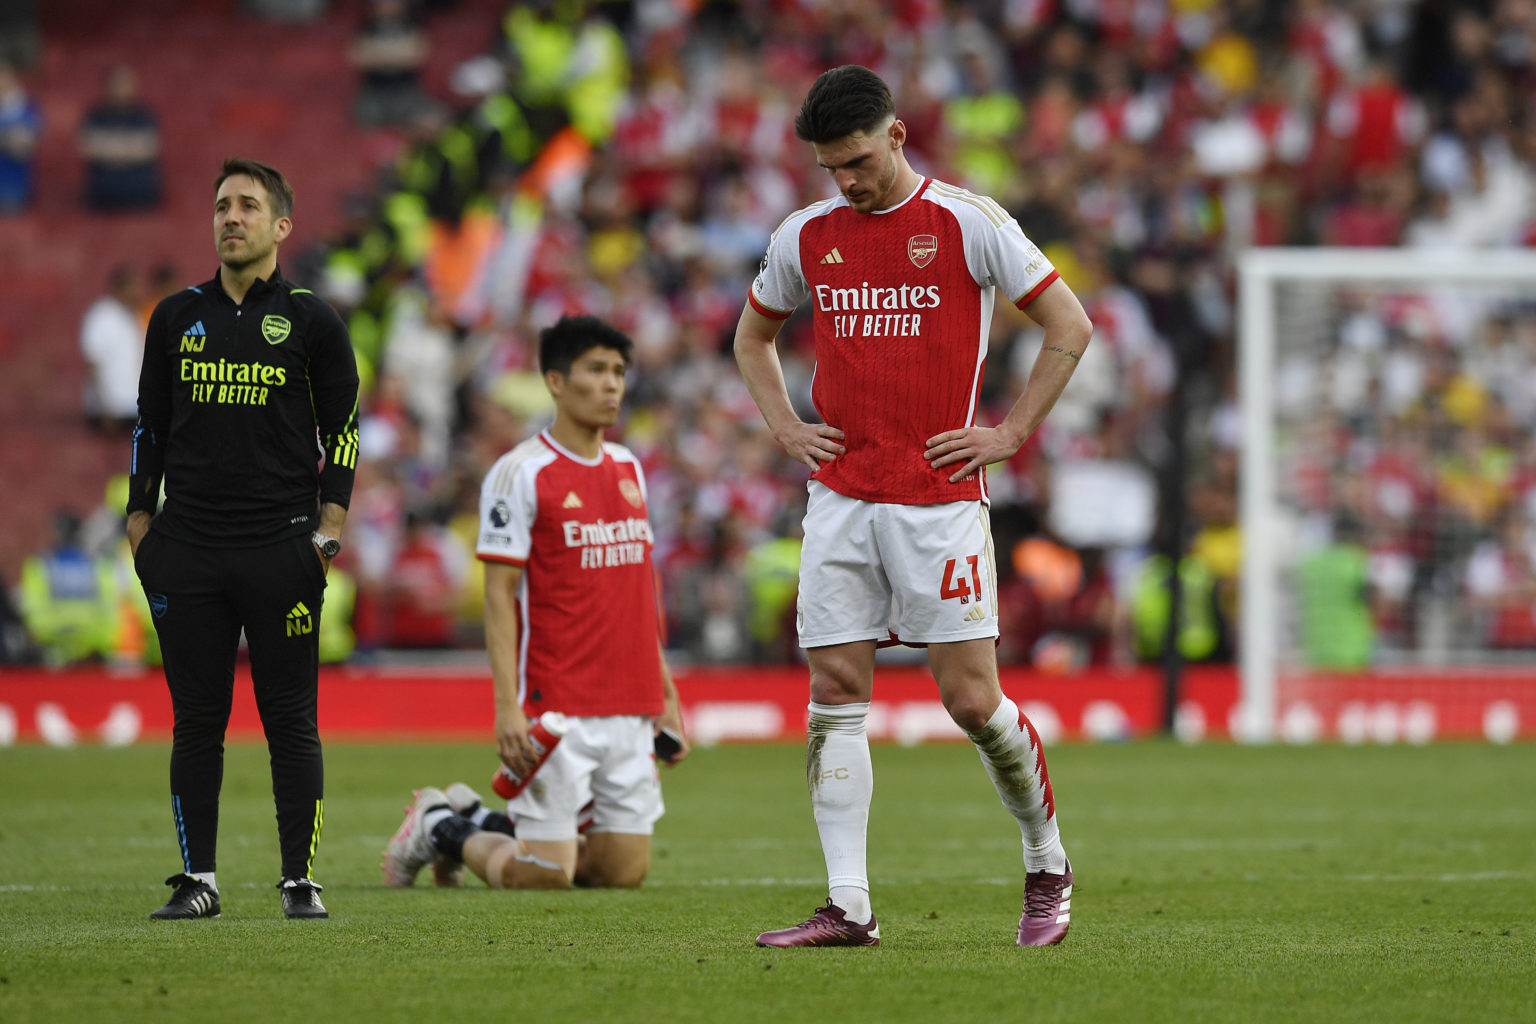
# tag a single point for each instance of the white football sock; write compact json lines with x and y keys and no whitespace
{"x":1011,"y":752}
{"x":841,"y":780}
{"x":853,"y":901}
{"x":207,"y":878}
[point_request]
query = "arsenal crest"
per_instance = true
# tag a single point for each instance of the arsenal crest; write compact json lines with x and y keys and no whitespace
{"x":921,"y":249}
{"x":631,"y":492}
{"x":275,"y":328}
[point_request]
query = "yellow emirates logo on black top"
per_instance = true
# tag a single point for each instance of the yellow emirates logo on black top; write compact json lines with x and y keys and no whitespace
{"x":300,"y":621}
{"x":228,"y":382}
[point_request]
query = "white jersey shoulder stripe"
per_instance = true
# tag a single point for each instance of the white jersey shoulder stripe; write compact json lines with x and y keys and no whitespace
{"x":780,"y":283}
{"x":816,"y":209}
{"x":989,"y":208}
{"x":619,"y":453}
{"x":507,"y":467}
{"x":966,"y":195}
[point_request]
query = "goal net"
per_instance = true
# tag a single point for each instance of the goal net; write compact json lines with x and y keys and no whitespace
{"x":1388,"y":494}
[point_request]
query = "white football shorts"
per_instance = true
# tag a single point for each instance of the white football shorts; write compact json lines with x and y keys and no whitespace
{"x":916,"y":574}
{"x":606,"y":760}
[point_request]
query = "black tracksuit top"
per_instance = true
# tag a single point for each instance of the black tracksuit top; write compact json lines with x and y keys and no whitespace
{"x":248,"y":411}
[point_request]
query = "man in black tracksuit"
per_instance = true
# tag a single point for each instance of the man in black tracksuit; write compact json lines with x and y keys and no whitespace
{"x":248,"y":411}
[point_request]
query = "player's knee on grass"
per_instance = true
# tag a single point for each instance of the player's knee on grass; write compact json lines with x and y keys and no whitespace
{"x":510,"y":865}
{"x":614,"y":860}
{"x":529,"y":872}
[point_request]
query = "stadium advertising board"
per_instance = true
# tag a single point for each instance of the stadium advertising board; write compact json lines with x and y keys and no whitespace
{"x":724,"y":705}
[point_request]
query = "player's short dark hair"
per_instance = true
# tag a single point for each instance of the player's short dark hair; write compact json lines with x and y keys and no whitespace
{"x":279,"y":192}
{"x":843,"y":101}
{"x":567,"y":339}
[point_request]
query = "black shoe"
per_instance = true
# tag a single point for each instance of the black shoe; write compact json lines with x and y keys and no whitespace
{"x":192,"y":898}
{"x":301,"y":898}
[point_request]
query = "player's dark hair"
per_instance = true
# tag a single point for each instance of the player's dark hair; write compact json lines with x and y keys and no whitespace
{"x":279,"y":192}
{"x":843,"y":101}
{"x":567,"y":339}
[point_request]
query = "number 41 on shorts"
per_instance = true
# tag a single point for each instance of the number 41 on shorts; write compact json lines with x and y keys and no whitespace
{"x":956,"y":586}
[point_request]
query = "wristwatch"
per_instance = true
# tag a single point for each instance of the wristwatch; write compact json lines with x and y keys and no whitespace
{"x":330,"y":547}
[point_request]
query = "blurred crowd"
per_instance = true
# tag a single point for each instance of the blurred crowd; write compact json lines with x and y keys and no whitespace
{"x":1408,"y":471}
{"x":631,"y":159}
{"x":118,"y":142}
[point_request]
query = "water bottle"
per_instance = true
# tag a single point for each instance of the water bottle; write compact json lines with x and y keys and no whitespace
{"x":544,"y":735}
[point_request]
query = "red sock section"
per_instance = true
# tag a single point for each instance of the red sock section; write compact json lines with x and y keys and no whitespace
{"x":1015,"y":761}
{"x":1039,"y":751}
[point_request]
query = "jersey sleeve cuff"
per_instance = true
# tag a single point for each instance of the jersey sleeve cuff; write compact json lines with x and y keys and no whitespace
{"x":1034,"y":293}
{"x":768,"y":311}
{"x":501,"y":559}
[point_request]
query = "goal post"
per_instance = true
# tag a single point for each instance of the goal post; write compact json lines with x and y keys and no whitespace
{"x":1320,"y":328}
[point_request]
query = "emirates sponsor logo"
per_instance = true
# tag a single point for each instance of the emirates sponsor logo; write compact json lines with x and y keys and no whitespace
{"x":580,"y":535}
{"x":866,"y":298}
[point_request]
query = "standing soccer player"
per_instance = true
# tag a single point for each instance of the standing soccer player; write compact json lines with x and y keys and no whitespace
{"x":572,"y":626}
{"x":248,"y":411}
{"x":903,"y":272}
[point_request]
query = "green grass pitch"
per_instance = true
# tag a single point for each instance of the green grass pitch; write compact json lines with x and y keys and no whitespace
{"x":1215,"y":883}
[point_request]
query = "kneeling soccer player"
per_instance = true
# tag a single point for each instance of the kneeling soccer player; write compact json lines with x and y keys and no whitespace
{"x":572,"y":626}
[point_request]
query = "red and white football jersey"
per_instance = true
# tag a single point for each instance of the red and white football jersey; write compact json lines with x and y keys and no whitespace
{"x":902,"y":307}
{"x":589,"y":631}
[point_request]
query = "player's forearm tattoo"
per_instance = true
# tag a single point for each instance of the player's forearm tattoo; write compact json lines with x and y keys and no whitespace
{"x":1074,"y":356}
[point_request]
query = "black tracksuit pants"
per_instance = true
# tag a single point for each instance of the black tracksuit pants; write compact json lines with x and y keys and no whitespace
{"x":201,"y":598}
